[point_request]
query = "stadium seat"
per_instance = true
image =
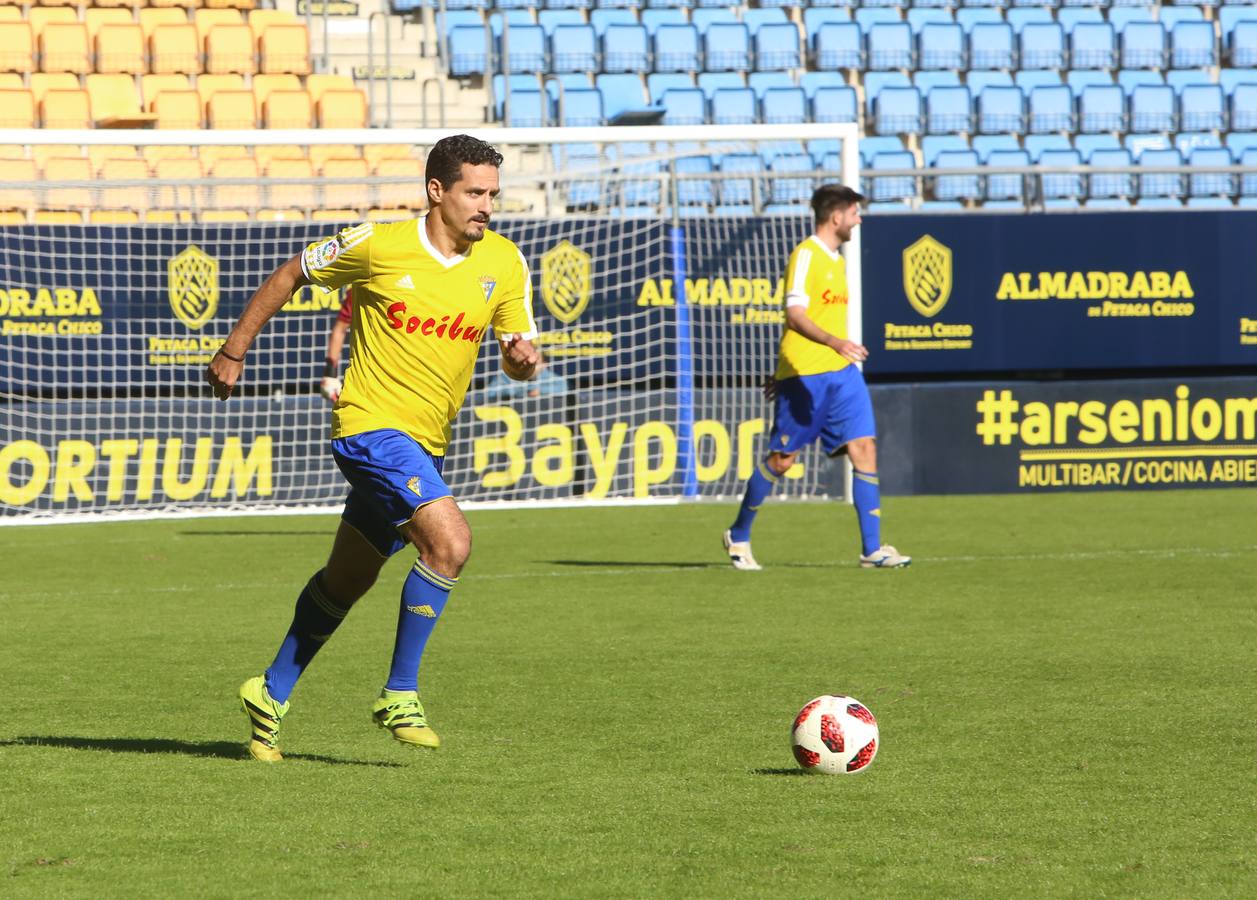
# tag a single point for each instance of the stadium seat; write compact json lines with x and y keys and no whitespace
{"x":63,"y":47}
{"x":1211,"y":184}
{"x":468,"y":50}
{"x":941,"y":46}
{"x":890,"y":46}
{"x":893,"y":187}
{"x":114,"y":100}
{"x":658,"y":82}
{"x":1152,"y":108}
{"x":784,"y":106}
{"x":897,"y":110}
{"x":1143,"y":46}
{"x":406,"y":194}
{"x":286,"y":109}
{"x":625,"y":48}
{"x":231,"y":109}
{"x":17,"y":108}
{"x":229,"y":48}
{"x":1060,"y":187}
{"x":949,"y":110}
{"x":60,"y":169}
{"x":177,"y":196}
{"x":1029,"y":79}
{"x":174,"y":49}
{"x":601,"y":19}
{"x":345,"y":196}
{"x":551,"y":19}
{"x":66,"y":109}
{"x":117,"y":196}
{"x":835,"y":104}
{"x":1160,"y":184}
{"x":177,"y":109}
{"x":579,"y":107}
{"x":1244,"y":108}
{"x":1105,"y":186}
{"x":1043,"y":46}
{"x":1093,"y":45}
{"x":838,"y":45}
{"x":791,"y":190}
{"x":957,"y":187}
{"x":694,"y":191}
{"x":733,"y":106}
{"x":120,"y":48}
{"x":1051,"y":109}
{"x":760,"y":82}
{"x":1192,"y":45}
{"x":342,"y":109}
{"x":1202,"y":108}
{"x":738,"y":192}
{"x":264,"y":85}
{"x":637,"y":193}
{"x":526,"y":109}
{"x":934,"y":144}
{"x":40,"y":16}
{"x":703,"y":18}
{"x":1001,"y":110}
{"x":573,"y":48}
{"x":17,"y":199}
{"x":1129,"y":79}
{"x":684,"y":106}
{"x":816,"y":16}
{"x":527,"y":49}
{"x":727,"y":47}
{"x":152,"y":16}
{"x":992,"y":46}
{"x":875,"y":82}
{"x":284,"y":49}
{"x":1101,"y":108}
{"x":96,"y":17}
{"x":259,"y":20}
{"x":777,"y":47}
{"x":676,"y":48}
{"x":655,"y":18}
{"x":1248,"y":183}
{"x":1007,"y":187}
{"x":1244,"y":44}
{"x":621,"y":93}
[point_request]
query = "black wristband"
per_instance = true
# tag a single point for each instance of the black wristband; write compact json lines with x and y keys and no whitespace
{"x":223,"y":352}
{"x":331,"y":369}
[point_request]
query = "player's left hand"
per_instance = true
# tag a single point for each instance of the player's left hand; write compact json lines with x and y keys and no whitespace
{"x":222,"y":375}
{"x":770,"y":388}
{"x":519,"y":357}
{"x":851,"y":351}
{"x":330,"y":387}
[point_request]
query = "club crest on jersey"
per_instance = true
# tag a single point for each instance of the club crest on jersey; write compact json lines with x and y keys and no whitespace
{"x":193,"y":286}
{"x":565,"y":281}
{"x":416,"y":486}
{"x":487,"y":284}
{"x":927,"y":275}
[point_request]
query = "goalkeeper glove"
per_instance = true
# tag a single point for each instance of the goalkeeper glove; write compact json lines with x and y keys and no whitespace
{"x":330,"y":387}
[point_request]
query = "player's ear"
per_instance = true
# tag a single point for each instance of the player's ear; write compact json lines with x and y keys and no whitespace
{"x":435,"y":190}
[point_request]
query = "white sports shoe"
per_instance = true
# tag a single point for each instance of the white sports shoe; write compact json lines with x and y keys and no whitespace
{"x":740,"y":554}
{"x":885,"y":557}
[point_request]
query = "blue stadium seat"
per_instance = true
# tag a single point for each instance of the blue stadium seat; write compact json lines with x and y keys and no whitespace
{"x":654,"y":19}
{"x":1130,"y":79}
{"x":1020,"y":18}
{"x":759,"y":82}
{"x":1007,"y":187}
{"x":934,"y":144}
{"x":777,"y":46}
{"x":770,"y":150}
{"x":1209,"y":203}
{"x":550,"y":19}
{"x":890,"y":46}
{"x":527,"y":109}
{"x":920,"y":16}
{"x":658,"y":82}
{"x":811,"y":82}
{"x":791,"y":190}
{"x":1192,"y":45}
{"x":871,"y":146}
{"x":977,"y":80}
{"x":1160,"y":184}
{"x":456,"y":17}
{"x":1001,"y":110}
{"x":568,"y":4}
{"x":1071,"y":17}
{"x":673,"y":3}
{"x":602,"y":19}
{"x":1043,"y":46}
{"x":1105,"y":185}
{"x":1187,"y":141}
{"x":1000,"y":4}
{"x":1143,"y":46}
{"x":733,"y":106}
{"x":1202,"y":108}
{"x":1093,"y":45}
{"x":684,"y":106}
{"x":1101,"y":108}
{"x":941,"y":46}
{"x":1088,"y":144}
{"x":1121,"y":16}
{"x":784,"y":105}
{"x":874,"y":82}
{"x":1065,"y":186}
{"x":815,"y":16}
{"x":508,"y":4}
{"x":1230,"y":79}
{"x":695,"y":191}
{"x":895,"y":187}
{"x":582,"y":193}
{"x":1248,"y":183}
{"x":1244,"y":44}
{"x":986,"y":144}
{"x":1152,"y":108}
{"x":617,"y":4}
{"x":957,"y":187}
{"x":1051,"y":109}
{"x":527,"y":49}
{"x":741,"y":191}
{"x":898,"y":111}
{"x":1211,"y":184}
{"x":830,"y":162}
{"x":992,"y":46}
{"x":468,"y":49}
{"x":1180,"y":78}
{"x":581,"y":107}
{"x":676,"y":48}
{"x":791,"y":4}
{"x":1244,"y":108}
{"x":1038,"y":144}
{"x":866,"y":17}
{"x":727,"y":47}
{"x":705,"y":18}
{"x":625,"y":48}
{"x":573,"y":48}
{"x":926,"y":81}
{"x":968,"y":18}
{"x":1029,"y":79}
{"x":710,"y":82}
{"x":620,"y":94}
{"x":646,"y":191}
{"x":1185,"y":11}
{"x":516,"y":18}
{"x":1140,"y":143}
{"x":838,"y":45}
{"x":835,"y":104}
{"x":949,"y":110}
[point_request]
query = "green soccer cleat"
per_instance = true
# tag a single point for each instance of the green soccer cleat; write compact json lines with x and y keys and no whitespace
{"x":402,"y":713}
{"x":264,"y":717}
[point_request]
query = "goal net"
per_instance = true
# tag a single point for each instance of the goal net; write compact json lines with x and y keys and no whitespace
{"x":657,"y":256}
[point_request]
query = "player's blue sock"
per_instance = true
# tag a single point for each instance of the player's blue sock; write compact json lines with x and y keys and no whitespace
{"x":313,"y":622}
{"x":424,"y":596}
{"x":868,"y":501}
{"x":758,"y":487}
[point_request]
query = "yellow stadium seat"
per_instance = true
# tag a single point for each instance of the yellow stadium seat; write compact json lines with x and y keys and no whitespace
{"x":58,"y":3}
{"x":231,"y":109}
{"x":43,"y":82}
{"x":10,"y":14}
{"x":185,"y":4}
{"x":100,"y":154}
{"x":280,"y":215}
{"x":376,"y":214}
{"x":229,"y":48}
{"x":155,"y":153}
{"x":207,"y":19}
{"x":182,"y":197}
{"x":236,"y":196}
{"x":287,"y":109}
{"x":115,"y":101}
{"x":405,"y":194}
{"x":266,"y":153}
{"x":152,"y":16}
{"x":224,"y":215}
{"x":60,"y":169}
{"x":177,"y":109}
{"x":173,"y":48}
{"x":345,"y":195}
{"x":17,"y":47}
{"x":118,"y":171}
{"x":66,"y":109}
{"x":17,"y":109}
{"x":120,"y":48}
{"x":317,"y":85}
{"x":152,"y":85}
{"x":11,"y":81}
{"x":290,"y":195}
{"x":63,"y":47}
{"x":234,"y":4}
{"x":210,"y":154}
{"x":12,"y":218}
{"x":123,"y":4}
{"x":58,"y":217}
{"x":374,"y":153}
{"x":342,"y":109}
{"x":261,"y":19}
{"x":13,"y":170}
{"x":97,"y":17}
{"x":169,"y":216}
{"x":285,"y":48}
{"x":264,"y":84}
{"x":344,"y":216}
{"x":209,"y":85}
{"x":113,"y":217}
{"x":321,"y":153}
{"x":40,"y":16}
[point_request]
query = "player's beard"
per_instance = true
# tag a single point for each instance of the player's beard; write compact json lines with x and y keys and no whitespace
{"x":472,"y":235}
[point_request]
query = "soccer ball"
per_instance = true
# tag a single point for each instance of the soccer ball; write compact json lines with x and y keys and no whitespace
{"x":834,"y":735}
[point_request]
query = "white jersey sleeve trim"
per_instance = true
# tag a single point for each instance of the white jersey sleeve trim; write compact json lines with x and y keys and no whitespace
{"x":532,"y":331}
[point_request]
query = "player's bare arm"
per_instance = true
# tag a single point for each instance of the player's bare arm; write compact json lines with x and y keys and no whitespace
{"x":519,"y":358}
{"x":225,"y":368}
{"x":797,"y":320}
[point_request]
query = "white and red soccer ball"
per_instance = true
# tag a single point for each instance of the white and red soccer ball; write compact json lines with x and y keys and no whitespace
{"x":834,"y":735}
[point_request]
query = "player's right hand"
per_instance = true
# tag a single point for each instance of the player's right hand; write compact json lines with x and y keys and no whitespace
{"x":330,"y":388}
{"x":770,"y":387}
{"x":222,"y":375}
{"x":851,"y":351}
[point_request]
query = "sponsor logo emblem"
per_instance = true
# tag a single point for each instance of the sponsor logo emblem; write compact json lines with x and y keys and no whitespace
{"x":193,"y":286}
{"x":927,"y":276}
{"x":425,"y":610}
{"x":416,"y":487}
{"x":405,"y":282}
{"x":487,"y":284}
{"x":565,"y":281}
{"x":320,"y":256}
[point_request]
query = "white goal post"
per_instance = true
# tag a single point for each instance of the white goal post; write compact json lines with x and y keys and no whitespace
{"x":657,"y":254}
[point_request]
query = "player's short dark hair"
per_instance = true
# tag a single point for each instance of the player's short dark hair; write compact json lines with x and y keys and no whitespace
{"x":446,"y":158}
{"x":830,"y":197}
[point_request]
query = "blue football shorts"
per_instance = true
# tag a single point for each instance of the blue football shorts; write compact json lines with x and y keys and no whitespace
{"x":833,"y":406}
{"x":390,"y":476}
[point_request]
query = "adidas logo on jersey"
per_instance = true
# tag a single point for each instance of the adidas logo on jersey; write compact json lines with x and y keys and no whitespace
{"x":405,"y":282}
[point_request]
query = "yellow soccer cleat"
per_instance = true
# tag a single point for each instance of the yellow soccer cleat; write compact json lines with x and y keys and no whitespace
{"x":264,"y":717}
{"x":402,"y":713}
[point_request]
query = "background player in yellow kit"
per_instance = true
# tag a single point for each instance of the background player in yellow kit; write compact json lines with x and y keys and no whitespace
{"x":819,"y":392}
{"x":425,"y":291}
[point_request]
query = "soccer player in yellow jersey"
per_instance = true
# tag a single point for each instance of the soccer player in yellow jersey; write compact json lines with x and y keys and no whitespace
{"x":425,"y":292}
{"x":819,"y":393}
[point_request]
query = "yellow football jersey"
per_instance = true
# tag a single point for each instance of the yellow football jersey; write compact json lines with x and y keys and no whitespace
{"x":418,"y":320}
{"x":816,"y":277}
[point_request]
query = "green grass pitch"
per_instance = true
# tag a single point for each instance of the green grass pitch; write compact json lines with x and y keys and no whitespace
{"x":1064,"y":686}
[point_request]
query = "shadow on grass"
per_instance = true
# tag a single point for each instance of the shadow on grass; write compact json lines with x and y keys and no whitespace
{"x":783,"y":772}
{"x":209,"y":749}
{"x":661,"y":564}
{"x":330,"y":533}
